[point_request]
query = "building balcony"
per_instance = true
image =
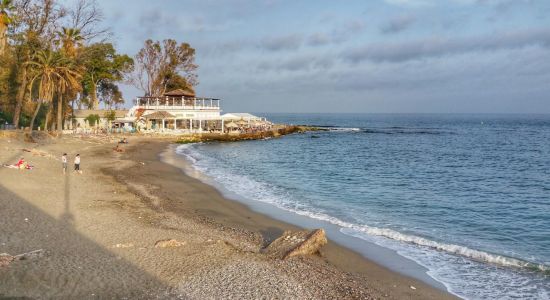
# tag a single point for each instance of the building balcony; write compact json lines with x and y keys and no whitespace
{"x":186,"y":103}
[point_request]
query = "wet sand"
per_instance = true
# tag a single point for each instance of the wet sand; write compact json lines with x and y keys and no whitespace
{"x":98,"y":230}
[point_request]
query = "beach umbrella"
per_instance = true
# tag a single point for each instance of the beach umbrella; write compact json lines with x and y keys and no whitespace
{"x":242,"y":122}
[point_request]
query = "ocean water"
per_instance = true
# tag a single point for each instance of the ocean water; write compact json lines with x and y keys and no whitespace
{"x":465,"y":196}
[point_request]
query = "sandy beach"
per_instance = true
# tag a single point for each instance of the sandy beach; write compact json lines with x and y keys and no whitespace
{"x":97,"y":233}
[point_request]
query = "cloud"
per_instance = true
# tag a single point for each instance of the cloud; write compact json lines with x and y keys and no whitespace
{"x":437,"y":47}
{"x":279,"y":43}
{"x":398,"y":24}
{"x":318,"y":39}
{"x":410,"y":2}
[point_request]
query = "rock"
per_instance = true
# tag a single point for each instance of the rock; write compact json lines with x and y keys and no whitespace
{"x":292,"y":243}
{"x":169,"y":243}
{"x":5,"y":259}
{"x":126,"y":245}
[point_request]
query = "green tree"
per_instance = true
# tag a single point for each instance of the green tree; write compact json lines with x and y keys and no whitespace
{"x":54,"y":73}
{"x":159,"y":66}
{"x":71,"y":40}
{"x":33,"y":31}
{"x":103,"y":65}
{"x":6,"y":8}
{"x":92,"y":119}
{"x":110,"y":94}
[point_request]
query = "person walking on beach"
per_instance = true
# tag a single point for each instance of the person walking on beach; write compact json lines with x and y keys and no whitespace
{"x":64,"y":162}
{"x":77,"y":164}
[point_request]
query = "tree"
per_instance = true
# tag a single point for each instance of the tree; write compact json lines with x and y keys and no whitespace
{"x":71,"y":40}
{"x":54,"y":72}
{"x":6,"y":7}
{"x":34,"y":30}
{"x":92,"y":119}
{"x":110,"y":94}
{"x":160,"y":66}
{"x":87,"y":17}
{"x":103,"y":65}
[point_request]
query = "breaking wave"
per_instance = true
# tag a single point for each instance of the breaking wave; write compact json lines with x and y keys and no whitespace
{"x":258,"y":191}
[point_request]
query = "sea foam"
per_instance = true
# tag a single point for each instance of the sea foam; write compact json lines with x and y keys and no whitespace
{"x":446,"y":262}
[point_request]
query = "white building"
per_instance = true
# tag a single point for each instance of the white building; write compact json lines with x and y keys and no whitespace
{"x":178,"y":110}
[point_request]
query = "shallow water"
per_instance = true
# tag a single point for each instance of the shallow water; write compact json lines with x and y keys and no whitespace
{"x":466,"y":196}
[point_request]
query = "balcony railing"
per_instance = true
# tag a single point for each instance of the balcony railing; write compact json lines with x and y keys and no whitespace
{"x":178,"y":103}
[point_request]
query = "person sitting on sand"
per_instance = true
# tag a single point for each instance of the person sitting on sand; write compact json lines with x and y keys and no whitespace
{"x":21,"y":165}
{"x":118,"y":149}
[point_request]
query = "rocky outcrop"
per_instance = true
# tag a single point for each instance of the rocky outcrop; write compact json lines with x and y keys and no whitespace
{"x":293,"y":243}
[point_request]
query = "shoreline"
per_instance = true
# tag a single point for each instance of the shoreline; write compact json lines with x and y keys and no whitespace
{"x":379,"y":255}
{"x":98,"y":233}
{"x":230,"y":212}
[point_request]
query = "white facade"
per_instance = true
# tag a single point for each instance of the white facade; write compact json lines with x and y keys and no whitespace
{"x":176,"y":113}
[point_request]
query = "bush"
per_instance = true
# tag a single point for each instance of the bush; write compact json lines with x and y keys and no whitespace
{"x":93,"y":119}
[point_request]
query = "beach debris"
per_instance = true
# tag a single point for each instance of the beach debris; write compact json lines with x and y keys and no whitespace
{"x":169,"y":243}
{"x":118,"y":149}
{"x":6,"y":259}
{"x":35,"y":152}
{"x":126,"y":245}
{"x":293,"y":243}
{"x":413,"y":288}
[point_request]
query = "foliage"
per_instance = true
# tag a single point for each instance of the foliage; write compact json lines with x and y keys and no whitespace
{"x":103,"y":66}
{"x":159,"y":66}
{"x":70,"y":40}
{"x":110,"y":94}
{"x":92,"y":119}
{"x":110,"y":115}
{"x":54,"y":53}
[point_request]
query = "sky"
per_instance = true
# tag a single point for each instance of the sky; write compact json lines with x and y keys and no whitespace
{"x":366,"y":56}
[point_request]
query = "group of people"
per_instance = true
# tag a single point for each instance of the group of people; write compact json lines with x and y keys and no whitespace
{"x":64,"y":162}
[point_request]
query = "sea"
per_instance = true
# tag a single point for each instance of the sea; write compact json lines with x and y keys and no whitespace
{"x":464,"y":197}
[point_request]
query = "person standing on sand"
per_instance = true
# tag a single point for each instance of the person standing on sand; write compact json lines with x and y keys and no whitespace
{"x":77,"y":164}
{"x":64,"y":162}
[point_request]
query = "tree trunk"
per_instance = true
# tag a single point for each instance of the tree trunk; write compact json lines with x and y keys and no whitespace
{"x":35,"y":114}
{"x":3,"y":36}
{"x":48,"y":116}
{"x":20,"y":97}
{"x":59,"y":113}
{"x":93,"y":95}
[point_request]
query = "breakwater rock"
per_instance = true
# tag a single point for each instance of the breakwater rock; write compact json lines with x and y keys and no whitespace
{"x":276,"y":131}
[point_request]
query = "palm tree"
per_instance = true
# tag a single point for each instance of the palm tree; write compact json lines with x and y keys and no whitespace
{"x":70,"y":39}
{"x":6,"y":6}
{"x":54,"y":73}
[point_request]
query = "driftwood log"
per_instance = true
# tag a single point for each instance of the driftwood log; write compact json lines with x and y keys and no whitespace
{"x":293,"y":243}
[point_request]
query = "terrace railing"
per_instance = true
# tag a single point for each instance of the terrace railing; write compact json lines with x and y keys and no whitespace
{"x":178,"y":103}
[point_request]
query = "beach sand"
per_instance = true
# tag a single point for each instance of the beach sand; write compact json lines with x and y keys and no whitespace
{"x":97,"y":232}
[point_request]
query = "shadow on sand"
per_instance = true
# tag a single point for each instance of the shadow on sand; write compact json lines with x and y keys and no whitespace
{"x":71,"y":265}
